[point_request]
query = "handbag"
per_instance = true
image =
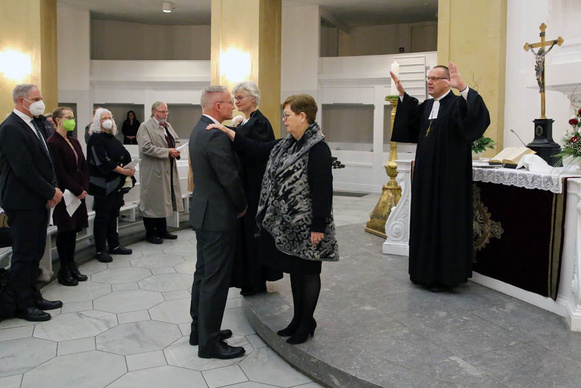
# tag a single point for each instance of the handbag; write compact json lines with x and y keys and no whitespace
{"x":7,"y":295}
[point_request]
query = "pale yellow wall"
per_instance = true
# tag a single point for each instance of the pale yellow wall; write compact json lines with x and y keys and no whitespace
{"x":253,"y":28}
{"x":472,"y":34}
{"x":29,"y":27}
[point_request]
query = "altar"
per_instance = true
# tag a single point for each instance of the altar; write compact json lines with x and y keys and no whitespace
{"x":539,"y":258}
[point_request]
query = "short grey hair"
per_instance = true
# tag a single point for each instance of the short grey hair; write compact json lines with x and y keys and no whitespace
{"x":157,"y":104}
{"x":208,"y":92}
{"x":251,"y":88}
{"x":95,"y":126}
{"x":22,"y":90}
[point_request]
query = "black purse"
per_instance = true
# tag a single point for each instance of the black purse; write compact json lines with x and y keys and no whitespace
{"x":7,"y":295}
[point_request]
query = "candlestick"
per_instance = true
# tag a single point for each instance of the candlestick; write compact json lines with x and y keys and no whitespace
{"x":394,"y":70}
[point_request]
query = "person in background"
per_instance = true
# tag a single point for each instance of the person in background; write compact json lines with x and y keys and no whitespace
{"x":161,"y":194}
{"x":88,"y":127}
{"x":49,"y":126}
{"x":249,"y":273}
{"x":106,"y":157}
{"x":28,"y":188}
{"x":129,"y":128}
{"x":72,"y":172}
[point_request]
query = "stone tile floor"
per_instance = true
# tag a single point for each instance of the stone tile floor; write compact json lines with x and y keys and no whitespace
{"x":128,"y":326}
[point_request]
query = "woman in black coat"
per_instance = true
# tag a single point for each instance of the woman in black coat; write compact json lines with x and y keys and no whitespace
{"x":129,"y":128}
{"x":72,"y":173}
{"x":107,"y":176}
{"x":248,"y":272}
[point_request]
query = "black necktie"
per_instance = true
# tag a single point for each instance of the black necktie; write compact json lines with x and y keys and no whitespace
{"x":45,"y":149}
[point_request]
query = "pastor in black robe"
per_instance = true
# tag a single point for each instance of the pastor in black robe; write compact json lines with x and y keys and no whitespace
{"x":248,"y":273}
{"x":441,"y":248}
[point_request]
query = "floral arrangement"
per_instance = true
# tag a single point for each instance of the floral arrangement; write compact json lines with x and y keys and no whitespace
{"x":572,"y":139}
{"x":480,"y":145}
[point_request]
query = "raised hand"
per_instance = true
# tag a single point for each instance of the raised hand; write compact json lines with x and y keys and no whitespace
{"x":455,"y":77}
{"x":395,"y":79}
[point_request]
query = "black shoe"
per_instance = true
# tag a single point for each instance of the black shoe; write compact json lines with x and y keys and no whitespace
{"x":168,"y":236}
{"x":290,"y":329}
{"x":302,"y":333}
{"x":252,"y":291}
{"x":224,"y":334}
{"x":121,"y":251}
{"x":76,"y":274}
{"x":44,"y":304}
{"x":65,"y":276}
{"x":104,"y":257}
{"x":154,"y":240}
{"x":222,"y":351}
{"x":33,"y":314}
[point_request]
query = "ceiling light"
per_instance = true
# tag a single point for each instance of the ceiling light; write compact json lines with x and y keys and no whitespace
{"x":167,"y":6}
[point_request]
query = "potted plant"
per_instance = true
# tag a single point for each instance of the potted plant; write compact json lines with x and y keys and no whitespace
{"x":480,"y":145}
{"x":572,"y":142}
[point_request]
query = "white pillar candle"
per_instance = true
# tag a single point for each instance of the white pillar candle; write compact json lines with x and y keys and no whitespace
{"x":394,"y":70}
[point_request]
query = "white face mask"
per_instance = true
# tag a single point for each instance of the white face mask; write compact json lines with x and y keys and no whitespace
{"x":36,"y":108}
{"x":107,"y":124}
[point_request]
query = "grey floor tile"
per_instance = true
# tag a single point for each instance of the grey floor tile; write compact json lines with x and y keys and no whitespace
{"x":146,"y":360}
{"x":19,"y":356}
{"x":225,"y":376}
{"x":138,"y":337}
{"x":164,"y":376}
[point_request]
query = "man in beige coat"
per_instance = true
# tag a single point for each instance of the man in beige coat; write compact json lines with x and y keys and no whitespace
{"x":159,"y":181}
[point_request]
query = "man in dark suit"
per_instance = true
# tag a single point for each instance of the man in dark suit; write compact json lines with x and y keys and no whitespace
{"x":216,"y":204}
{"x":28,"y":188}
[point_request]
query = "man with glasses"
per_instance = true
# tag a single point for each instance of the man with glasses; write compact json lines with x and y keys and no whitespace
{"x":444,"y":127}
{"x":217,"y":202}
{"x":161,"y":194}
{"x":28,"y":188}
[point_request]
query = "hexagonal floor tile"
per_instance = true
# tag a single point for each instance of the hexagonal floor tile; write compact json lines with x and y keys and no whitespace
{"x":128,"y":301}
{"x":265,"y":366}
{"x":157,"y":260}
{"x":85,"y":291}
{"x":163,"y":376}
{"x":167,"y":282}
{"x":66,"y":327}
{"x":37,"y":352}
{"x":121,"y":275}
{"x":138,"y":337}
{"x":172,"y":311}
{"x":99,"y":369}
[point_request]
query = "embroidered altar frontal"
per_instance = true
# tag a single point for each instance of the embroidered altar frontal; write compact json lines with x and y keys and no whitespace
{"x":518,"y":236}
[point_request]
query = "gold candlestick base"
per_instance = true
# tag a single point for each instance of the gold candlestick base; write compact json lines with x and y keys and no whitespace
{"x":391,"y":192}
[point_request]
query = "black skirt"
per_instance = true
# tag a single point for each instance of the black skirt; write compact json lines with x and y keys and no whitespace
{"x":272,"y":257}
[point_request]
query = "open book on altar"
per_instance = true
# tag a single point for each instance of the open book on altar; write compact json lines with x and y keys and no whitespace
{"x":510,"y":156}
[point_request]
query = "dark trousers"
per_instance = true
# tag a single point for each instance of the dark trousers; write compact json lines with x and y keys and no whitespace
{"x":155,"y":226}
{"x":105,"y":226}
{"x":28,"y":229}
{"x":211,"y":282}
{"x":66,"y":243}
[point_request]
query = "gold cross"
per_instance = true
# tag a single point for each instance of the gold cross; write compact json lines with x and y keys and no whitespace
{"x":540,"y":61}
{"x":429,"y":128}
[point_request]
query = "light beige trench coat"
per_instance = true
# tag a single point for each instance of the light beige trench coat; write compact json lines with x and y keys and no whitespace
{"x":154,"y":171}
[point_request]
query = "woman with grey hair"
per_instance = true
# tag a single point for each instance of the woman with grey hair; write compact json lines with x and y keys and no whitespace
{"x":107,"y":176}
{"x":248,"y":273}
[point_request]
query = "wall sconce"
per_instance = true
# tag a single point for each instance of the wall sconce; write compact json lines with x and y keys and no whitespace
{"x":235,"y":65}
{"x":167,"y":6}
{"x":15,"y":65}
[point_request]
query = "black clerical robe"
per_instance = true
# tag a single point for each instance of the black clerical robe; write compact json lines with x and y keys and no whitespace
{"x":441,"y":251}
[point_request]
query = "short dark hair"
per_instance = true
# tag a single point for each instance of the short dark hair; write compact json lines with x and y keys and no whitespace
{"x":302,"y":103}
{"x":445,"y":69}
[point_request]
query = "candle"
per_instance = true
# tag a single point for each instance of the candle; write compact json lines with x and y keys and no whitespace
{"x":394,"y":70}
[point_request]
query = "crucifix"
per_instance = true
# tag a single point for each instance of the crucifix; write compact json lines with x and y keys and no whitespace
{"x":543,"y":143}
{"x":540,"y":61}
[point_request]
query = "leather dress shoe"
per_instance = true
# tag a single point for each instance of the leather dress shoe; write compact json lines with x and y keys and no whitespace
{"x":154,"y":240}
{"x":224,"y":334}
{"x":44,"y":304}
{"x":222,"y":351}
{"x":168,"y":236}
{"x":77,"y":274}
{"x":121,"y":251}
{"x":104,"y":257}
{"x":33,"y":314}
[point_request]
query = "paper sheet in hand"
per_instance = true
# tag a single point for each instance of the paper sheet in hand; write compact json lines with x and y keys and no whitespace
{"x":132,"y":164}
{"x":71,"y":202}
{"x":182,"y":146}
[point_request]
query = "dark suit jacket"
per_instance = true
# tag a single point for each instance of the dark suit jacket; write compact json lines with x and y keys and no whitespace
{"x":218,"y":195}
{"x":26,"y":175}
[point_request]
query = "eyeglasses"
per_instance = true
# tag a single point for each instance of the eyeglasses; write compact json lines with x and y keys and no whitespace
{"x":231,"y":102}
{"x":285,"y":116}
{"x":239,"y":98}
{"x":433,"y":79}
